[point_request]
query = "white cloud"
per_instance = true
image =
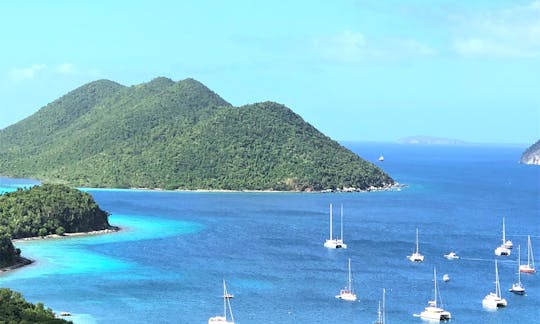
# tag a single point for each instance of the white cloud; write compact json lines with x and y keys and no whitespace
{"x":27,"y":73}
{"x":351,"y":46}
{"x":509,"y":33}
{"x":65,"y":68}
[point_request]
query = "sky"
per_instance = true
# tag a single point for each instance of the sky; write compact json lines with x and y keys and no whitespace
{"x":357,"y":70}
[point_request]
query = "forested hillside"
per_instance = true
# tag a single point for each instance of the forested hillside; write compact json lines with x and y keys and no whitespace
{"x":49,"y":209}
{"x":177,"y":135}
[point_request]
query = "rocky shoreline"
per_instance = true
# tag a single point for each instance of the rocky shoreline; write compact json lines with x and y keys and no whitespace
{"x":113,"y":229}
{"x":21,"y":262}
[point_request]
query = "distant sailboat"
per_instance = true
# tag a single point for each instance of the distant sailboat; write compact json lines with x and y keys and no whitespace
{"x":504,"y":249}
{"x":347,"y":293}
{"x":432,"y":312}
{"x":381,"y":313}
{"x":518,"y":288}
{"x":381,"y":158}
{"x":332,"y":243}
{"x":529,"y":267}
{"x":226,"y":304}
{"x":416,"y":256}
{"x":495,"y":300}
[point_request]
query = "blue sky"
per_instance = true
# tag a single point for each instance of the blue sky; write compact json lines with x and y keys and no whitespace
{"x":356,"y":70}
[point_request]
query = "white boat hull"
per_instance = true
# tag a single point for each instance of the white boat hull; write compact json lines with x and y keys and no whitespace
{"x":335,"y":244}
{"x":525,"y":268}
{"x":502,"y":251}
{"x":218,"y":320}
{"x":416,"y":257}
{"x":492,"y":301}
{"x":435,"y":313}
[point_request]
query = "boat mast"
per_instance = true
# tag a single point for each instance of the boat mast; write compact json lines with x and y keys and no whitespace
{"x":519,"y":265}
{"x":341,"y":222}
{"x":330,"y":222}
{"x":349,"y":285}
{"x":417,"y":240}
{"x":504,"y":234}
{"x":435,"y":285}
{"x":497,"y":285}
{"x":530,"y":256}
{"x":226,"y":301}
{"x":383,"y":306}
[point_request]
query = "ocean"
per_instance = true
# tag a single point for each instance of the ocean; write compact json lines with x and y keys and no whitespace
{"x":175,"y":248}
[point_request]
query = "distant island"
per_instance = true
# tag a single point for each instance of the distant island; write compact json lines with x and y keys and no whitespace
{"x":178,"y":135}
{"x":531,"y":155}
{"x":430,"y":140}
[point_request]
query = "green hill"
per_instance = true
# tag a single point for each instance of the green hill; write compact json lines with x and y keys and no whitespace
{"x":177,"y":135}
{"x":15,"y":309}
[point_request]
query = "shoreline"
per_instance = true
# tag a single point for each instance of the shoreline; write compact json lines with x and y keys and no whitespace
{"x":113,"y":229}
{"x":21,"y":262}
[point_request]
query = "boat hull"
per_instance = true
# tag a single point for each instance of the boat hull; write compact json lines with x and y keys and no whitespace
{"x":335,"y":244}
{"x":526,"y":269}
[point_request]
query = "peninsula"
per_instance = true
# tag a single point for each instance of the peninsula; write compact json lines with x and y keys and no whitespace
{"x":178,"y":135}
{"x":531,"y":155}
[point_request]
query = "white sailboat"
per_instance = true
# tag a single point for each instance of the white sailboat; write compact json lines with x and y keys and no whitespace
{"x":332,"y":243}
{"x":518,"y":288}
{"x":226,"y":304}
{"x":347,"y":293}
{"x":504,"y":248}
{"x":416,"y":256}
{"x":381,"y":313}
{"x":495,"y":300}
{"x":529,"y":267}
{"x":432,"y":311}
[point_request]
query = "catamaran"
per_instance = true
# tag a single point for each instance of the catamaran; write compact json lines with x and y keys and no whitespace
{"x":505,"y":247}
{"x":432,"y":311}
{"x":332,"y":243}
{"x":416,"y":256}
{"x":347,"y":293}
{"x":518,"y":288}
{"x":226,"y":305}
{"x":495,"y":300}
{"x":381,"y":314}
{"x":529,"y":267}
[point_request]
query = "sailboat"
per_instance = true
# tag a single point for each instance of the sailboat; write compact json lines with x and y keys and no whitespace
{"x":332,"y":243}
{"x":529,"y":267}
{"x":505,"y":247}
{"x":347,"y":292}
{"x":495,"y":300}
{"x":381,"y":314}
{"x":381,"y":158}
{"x":432,"y":312}
{"x":518,"y":288}
{"x":416,"y":256}
{"x":226,"y":304}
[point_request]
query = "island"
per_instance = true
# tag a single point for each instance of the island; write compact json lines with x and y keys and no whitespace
{"x":178,"y":136}
{"x":430,"y":140}
{"x":531,"y":155}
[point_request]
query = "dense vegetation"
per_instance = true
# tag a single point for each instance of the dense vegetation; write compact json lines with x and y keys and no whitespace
{"x":49,"y":209}
{"x":177,"y":135}
{"x":15,"y":309}
{"x":9,"y":255}
{"x":532,"y":154}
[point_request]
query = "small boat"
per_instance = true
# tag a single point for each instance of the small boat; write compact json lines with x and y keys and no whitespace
{"x":332,"y":243}
{"x":416,"y":256}
{"x":228,"y":296}
{"x":504,"y":248}
{"x":432,"y":311}
{"x":446,"y":277}
{"x":451,"y":256}
{"x":529,"y":267}
{"x":65,"y":314}
{"x":517,"y":288}
{"x":381,"y":314}
{"x":226,"y":305}
{"x":495,"y":300}
{"x":381,"y":158}
{"x":347,"y":293}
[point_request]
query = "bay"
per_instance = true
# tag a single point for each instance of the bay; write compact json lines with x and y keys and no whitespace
{"x":167,"y":263}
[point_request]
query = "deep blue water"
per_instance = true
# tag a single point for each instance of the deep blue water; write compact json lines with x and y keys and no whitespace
{"x":166,"y":266}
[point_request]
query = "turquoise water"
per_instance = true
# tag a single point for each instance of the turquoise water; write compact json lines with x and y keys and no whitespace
{"x":167,"y":263}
